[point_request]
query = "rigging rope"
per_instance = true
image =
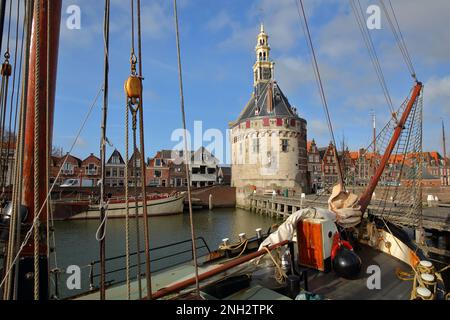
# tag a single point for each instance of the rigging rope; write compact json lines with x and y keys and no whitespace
{"x":11,"y":133}
{"x":142,"y":160}
{"x":136,"y":197}
{"x":36,"y":217}
{"x":186,"y":155}
{"x":315,"y":65}
{"x":37,"y":132}
{"x":359,"y":16}
{"x":4,"y":164}
{"x":127,"y":210}
{"x":103,"y":141}
{"x":398,"y":36}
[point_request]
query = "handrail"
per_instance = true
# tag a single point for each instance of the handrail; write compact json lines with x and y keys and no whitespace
{"x":221,"y":268}
{"x":92,"y":265}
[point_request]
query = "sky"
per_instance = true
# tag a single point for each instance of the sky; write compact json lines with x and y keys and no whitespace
{"x":217,"y":51}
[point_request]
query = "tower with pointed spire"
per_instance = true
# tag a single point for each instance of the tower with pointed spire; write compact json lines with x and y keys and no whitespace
{"x":263,"y":67}
{"x":268,"y":139}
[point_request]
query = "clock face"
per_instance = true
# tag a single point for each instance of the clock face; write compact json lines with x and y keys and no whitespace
{"x":267,"y":74}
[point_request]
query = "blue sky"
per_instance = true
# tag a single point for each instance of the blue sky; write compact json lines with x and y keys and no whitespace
{"x":217,"y":40}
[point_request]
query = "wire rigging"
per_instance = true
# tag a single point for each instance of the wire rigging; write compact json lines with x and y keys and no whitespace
{"x":315,"y":65}
{"x":186,"y":155}
{"x":395,"y":27}
{"x":359,"y":16}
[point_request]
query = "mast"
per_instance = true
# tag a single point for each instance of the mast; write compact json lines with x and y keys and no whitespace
{"x":367,"y":195}
{"x":103,"y":154}
{"x":445,"y":181}
{"x":36,"y":100}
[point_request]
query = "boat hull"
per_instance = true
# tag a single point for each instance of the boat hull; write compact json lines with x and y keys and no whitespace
{"x":158,"y":207}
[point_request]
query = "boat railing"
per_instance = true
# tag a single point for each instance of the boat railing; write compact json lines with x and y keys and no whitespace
{"x":170,"y":251}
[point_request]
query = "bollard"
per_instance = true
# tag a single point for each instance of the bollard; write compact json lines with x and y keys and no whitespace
{"x":211,"y":202}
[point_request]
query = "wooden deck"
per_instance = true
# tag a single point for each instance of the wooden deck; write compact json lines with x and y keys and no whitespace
{"x":334,"y":287}
{"x":263,"y":286}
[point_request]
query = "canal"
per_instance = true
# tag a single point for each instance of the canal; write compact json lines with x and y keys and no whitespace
{"x":76,"y":243}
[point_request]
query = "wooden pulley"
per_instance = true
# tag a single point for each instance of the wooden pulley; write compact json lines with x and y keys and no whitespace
{"x":133,"y":87}
{"x":6,"y":69}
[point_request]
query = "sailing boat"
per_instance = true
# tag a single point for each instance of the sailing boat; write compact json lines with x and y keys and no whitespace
{"x":316,"y":253}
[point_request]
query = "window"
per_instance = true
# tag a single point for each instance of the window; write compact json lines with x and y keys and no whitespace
{"x":115,"y":160}
{"x":157,"y":162}
{"x":284,"y":145}
{"x":122,"y":173}
{"x":256,"y":145}
{"x":114,"y":172}
{"x":67,"y":168}
{"x":157,"y":173}
{"x":91,"y":169}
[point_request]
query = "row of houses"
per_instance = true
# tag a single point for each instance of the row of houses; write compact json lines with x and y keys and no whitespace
{"x":166,"y":169}
{"x":359,"y":166}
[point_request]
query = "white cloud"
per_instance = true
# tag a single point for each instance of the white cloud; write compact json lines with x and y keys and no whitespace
{"x":437,"y":97}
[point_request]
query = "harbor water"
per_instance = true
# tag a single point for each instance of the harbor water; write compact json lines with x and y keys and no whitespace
{"x":77,"y":245}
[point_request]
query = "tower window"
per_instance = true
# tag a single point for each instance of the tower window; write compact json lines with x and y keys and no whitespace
{"x":260,"y":56}
{"x":284,"y":145}
{"x":255,"y":145}
{"x":264,"y":55}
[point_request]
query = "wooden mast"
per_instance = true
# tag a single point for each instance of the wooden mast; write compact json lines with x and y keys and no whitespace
{"x":26,"y":284}
{"x":367,"y":195}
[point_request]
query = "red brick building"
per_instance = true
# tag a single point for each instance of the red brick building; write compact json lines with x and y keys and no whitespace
{"x":71,"y":168}
{"x":91,"y":168}
{"x":158,"y":170}
{"x":314,"y":166}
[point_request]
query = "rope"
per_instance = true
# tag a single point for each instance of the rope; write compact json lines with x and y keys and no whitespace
{"x":127,"y":208}
{"x":186,"y":156}
{"x":359,"y":16}
{"x":100,"y":234}
{"x":37,"y":132}
{"x":398,"y":36}
{"x":6,"y":73}
{"x":51,"y":237}
{"x":143,"y":178}
{"x":19,"y":154}
{"x":315,"y":65}
{"x":9,"y":28}
{"x":10,"y":134}
{"x":234,"y":247}
{"x":280,"y":275}
{"x":103,"y":213}
{"x":33,"y":225}
{"x":136,"y":199}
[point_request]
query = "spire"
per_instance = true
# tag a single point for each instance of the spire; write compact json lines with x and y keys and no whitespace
{"x":263,"y":67}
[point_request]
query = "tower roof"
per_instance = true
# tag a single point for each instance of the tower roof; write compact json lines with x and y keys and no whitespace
{"x":257,"y":105}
